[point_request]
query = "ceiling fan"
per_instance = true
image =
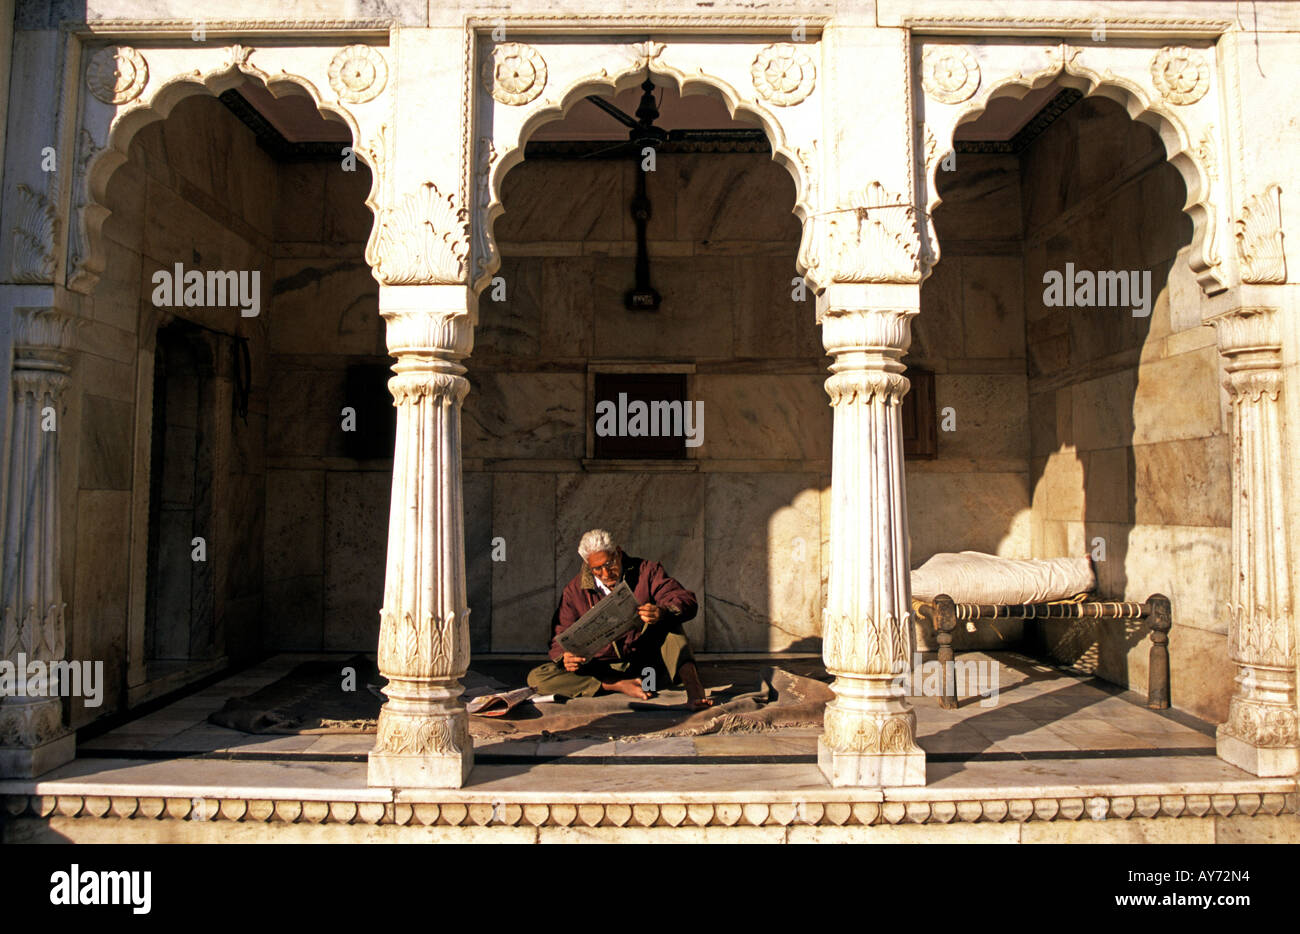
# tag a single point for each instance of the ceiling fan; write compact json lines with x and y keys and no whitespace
{"x":643,"y":134}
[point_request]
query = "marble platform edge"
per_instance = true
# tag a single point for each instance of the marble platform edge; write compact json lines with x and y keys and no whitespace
{"x":765,"y":809}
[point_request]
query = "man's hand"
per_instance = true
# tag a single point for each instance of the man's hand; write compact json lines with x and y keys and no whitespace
{"x":573,"y":662}
{"x":650,"y":612}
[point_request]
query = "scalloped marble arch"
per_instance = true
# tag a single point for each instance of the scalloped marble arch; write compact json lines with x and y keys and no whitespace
{"x":1206,"y":266}
{"x":157,"y":104}
{"x":601,"y":83}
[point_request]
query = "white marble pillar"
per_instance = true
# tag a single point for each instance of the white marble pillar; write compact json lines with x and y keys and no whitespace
{"x":423,"y":736}
{"x":1260,"y":733}
{"x":33,"y":738}
{"x":869,"y":735}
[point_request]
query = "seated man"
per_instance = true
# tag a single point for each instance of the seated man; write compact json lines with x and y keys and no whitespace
{"x":664,"y":605}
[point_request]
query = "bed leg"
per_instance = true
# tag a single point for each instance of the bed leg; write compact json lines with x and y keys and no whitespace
{"x":1158,"y":614}
{"x":945,"y":621}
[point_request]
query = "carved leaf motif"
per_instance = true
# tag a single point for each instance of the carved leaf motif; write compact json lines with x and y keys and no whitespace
{"x":875,"y":239}
{"x":33,"y":237}
{"x":410,"y":641}
{"x":422,"y":240}
{"x":1259,"y":238}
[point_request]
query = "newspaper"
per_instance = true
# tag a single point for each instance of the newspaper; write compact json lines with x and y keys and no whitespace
{"x":612,"y":617}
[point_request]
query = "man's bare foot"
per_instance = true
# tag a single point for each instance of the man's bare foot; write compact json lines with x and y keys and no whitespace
{"x":631,"y":687}
{"x":694,"y":687}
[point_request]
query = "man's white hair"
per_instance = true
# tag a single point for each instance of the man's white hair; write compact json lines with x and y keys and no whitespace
{"x":595,"y":541}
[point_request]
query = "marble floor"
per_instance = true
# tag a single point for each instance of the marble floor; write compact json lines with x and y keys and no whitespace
{"x":1057,"y":758}
{"x":1043,"y":721}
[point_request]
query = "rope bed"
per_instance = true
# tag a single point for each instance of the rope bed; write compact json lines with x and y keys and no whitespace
{"x":946,"y":614}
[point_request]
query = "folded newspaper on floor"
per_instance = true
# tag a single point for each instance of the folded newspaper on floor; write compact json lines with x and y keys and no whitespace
{"x":502,"y":702}
{"x":609,"y":619}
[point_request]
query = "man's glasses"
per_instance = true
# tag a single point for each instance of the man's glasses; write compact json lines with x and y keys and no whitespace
{"x":611,"y":565}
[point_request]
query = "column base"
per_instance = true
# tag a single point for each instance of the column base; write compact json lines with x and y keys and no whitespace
{"x":871,"y":770}
{"x":387,"y":770}
{"x":1263,"y":761}
{"x":32,"y":761}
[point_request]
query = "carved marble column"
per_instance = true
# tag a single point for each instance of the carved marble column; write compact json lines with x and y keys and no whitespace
{"x":869,"y":735}
{"x":33,"y":738}
{"x":1260,"y":735}
{"x":423,"y":736}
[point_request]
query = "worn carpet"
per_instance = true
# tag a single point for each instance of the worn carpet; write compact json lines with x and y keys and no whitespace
{"x":315,"y":698}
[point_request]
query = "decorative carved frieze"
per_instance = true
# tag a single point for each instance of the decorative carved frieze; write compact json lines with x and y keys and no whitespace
{"x":422,"y":240}
{"x":664,"y":814}
{"x":1267,"y":725}
{"x":514,"y":73}
{"x":411,"y":388}
{"x":33,"y":237}
{"x":1259,"y":238}
{"x":116,"y":74}
{"x":29,"y":724}
{"x":358,"y":74}
{"x":949,"y":74}
{"x":411,"y":736}
{"x":1180,"y":74}
{"x":869,"y":734}
{"x":448,"y":335}
{"x":783,"y":74}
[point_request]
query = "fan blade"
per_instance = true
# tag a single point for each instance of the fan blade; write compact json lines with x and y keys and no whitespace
{"x":613,"y":111}
{"x":724,"y":135}
{"x":600,"y":152}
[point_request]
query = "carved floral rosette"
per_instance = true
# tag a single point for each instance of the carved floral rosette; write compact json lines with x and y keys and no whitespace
{"x":358,"y":74}
{"x":1181,"y":75}
{"x":514,"y":73}
{"x":783,"y":74}
{"x":949,"y":74}
{"x":116,"y":74}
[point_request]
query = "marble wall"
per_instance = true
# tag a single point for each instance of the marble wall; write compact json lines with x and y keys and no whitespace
{"x":1129,"y":441}
{"x":971,"y":333}
{"x":326,"y":509}
{"x":741,"y":521}
{"x":195,"y":190}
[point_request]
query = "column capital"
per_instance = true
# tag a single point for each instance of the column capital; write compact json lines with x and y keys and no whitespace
{"x":877,"y":331}
{"x":1248,"y":330}
{"x":432,"y":321}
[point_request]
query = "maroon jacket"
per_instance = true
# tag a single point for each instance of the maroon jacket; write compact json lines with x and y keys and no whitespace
{"x":649,"y":583}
